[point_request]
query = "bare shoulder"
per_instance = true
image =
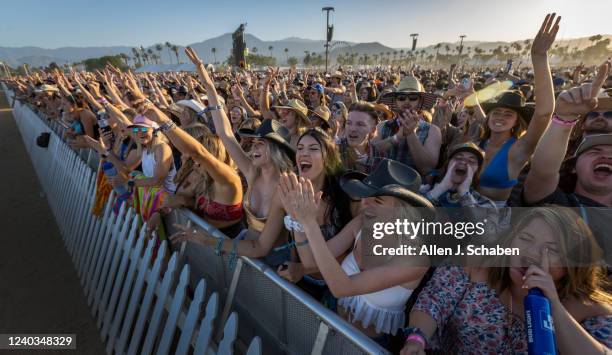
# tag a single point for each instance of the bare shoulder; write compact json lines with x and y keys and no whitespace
{"x":582,"y":309}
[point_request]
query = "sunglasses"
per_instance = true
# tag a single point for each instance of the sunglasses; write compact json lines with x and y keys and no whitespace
{"x":140,"y":129}
{"x":412,"y":97}
{"x":594,"y":114}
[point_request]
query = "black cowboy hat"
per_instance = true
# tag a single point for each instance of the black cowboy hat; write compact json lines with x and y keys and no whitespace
{"x":391,"y":178}
{"x":467,"y":147}
{"x":513,"y":100}
{"x":273,"y":131}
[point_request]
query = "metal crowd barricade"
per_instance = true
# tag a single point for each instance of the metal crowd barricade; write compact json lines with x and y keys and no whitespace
{"x":137,"y":300}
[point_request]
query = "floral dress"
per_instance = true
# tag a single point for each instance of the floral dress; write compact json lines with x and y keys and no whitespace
{"x":471,"y":319}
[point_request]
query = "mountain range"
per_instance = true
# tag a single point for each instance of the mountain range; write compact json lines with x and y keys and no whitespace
{"x":36,"y":56}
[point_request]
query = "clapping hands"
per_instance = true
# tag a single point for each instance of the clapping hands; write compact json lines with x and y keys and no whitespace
{"x":298,"y":197}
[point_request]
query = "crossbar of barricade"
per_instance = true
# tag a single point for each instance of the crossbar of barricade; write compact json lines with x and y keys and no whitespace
{"x":138,"y":292}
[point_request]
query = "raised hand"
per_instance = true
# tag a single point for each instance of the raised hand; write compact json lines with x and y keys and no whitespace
{"x":206,"y":80}
{"x":193,"y":56}
{"x":464,"y":187}
{"x":546,"y":35}
{"x":306,"y":202}
{"x":237,"y":91}
{"x":540,"y":277}
{"x":446,"y":182}
{"x":287,"y":186}
{"x":410,"y":121}
{"x":580,"y":100}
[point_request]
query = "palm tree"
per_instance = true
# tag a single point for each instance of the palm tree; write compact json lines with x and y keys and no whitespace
{"x":125,"y":59}
{"x":214,"y":52}
{"x":175,"y":50}
{"x":169,"y":46}
{"x":136,"y":55}
{"x":446,"y":49}
{"x":254,"y":50}
{"x":270,"y":48}
{"x":437,"y":48}
{"x":150,"y":53}
{"x":287,"y":54}
{"x":159,"y":47}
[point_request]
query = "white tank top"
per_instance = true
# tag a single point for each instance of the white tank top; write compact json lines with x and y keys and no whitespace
{"x":384,"y":309}
{"x":148,"y":168}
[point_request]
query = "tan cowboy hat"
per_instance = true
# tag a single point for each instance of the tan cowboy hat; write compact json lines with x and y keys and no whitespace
{"x":337,"y":75}
{"x":322,"y":112}
{"x":410,"y":85}
{"x":385,"y":110}
{"x":297,"y":106}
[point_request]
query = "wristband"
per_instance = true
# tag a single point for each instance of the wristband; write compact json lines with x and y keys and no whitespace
{"x":559,"y":121}
{"x":416,"y":334}
{"x":292,"y":225}
{"x":214,"y":108}
{"x":219,"y":247}
{"x":417,"y":338}
{"x":167,"y":126}
{"x":233,"y":257}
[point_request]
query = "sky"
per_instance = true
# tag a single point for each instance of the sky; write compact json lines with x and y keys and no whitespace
{"x":82,"y":23}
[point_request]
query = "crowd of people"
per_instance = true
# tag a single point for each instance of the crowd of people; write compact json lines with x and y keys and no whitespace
{"x":289,"y":164}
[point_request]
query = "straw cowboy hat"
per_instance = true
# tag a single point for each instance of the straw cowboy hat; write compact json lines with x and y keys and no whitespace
{"x":297,"y":106}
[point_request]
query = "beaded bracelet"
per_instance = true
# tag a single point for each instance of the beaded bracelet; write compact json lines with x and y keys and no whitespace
{"x":233,"y":257}
{"x":167,"y":126}
{"x":219,"y":247}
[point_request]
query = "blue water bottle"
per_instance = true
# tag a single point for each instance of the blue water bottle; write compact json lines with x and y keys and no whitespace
{"x":110,"y":171}
{"x":539,"y":324}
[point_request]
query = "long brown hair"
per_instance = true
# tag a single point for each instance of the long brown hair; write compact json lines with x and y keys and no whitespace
{"x":577,"y":245}
{"x":338,"y":211}
{"x":520,"y":127}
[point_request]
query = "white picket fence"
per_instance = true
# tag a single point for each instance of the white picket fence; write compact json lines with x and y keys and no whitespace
{"x":139,"y":302}
{"x":135,"y":299}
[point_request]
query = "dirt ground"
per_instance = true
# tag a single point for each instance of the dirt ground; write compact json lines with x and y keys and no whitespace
{"x":39,"y":288}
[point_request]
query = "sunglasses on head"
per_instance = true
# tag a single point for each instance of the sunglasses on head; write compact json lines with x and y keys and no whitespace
{"x":140,"y":129}
{"x":594,"y":114}
{"x":411,"y":96}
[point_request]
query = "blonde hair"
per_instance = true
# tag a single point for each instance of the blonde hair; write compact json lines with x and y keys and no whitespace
{"x":577,"y":245}
{"x":213,"y":144}
{"x":279,"y":158}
